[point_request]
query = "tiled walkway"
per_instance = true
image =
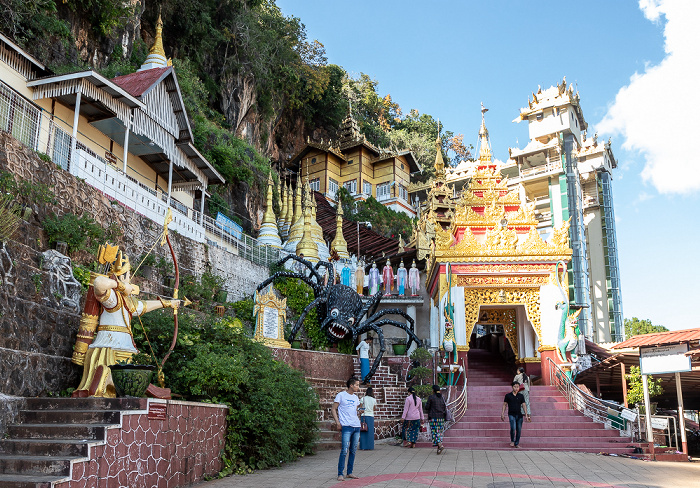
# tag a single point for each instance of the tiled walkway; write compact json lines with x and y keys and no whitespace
{"x":395,"y":467}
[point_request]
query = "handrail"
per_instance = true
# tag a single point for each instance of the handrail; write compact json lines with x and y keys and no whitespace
{"x":458,"y":406}
{"x":594,"y":408}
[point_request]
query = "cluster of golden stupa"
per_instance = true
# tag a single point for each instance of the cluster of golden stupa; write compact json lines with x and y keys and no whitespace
{"x":296,"y":230}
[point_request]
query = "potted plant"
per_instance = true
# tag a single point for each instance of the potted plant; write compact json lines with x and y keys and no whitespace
{"x":635,"y":389}
{"x":419,"y":373}
{"x":399,"y":347}
{"x":132,"y":377}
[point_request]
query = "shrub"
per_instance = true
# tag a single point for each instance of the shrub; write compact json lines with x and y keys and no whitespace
{"x":272,"y":410}
{"x":79,"y":233}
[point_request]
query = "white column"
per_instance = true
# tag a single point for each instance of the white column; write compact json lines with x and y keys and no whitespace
{"x":681,"y":418}
{"x":170,"y":183}
{"x":201,"y":205}
{"x":127,"y":130}
{"x":411,"y":311}
{"x":434,"y":325}
{"x":650,"y":432}
{"x":76,"y":118}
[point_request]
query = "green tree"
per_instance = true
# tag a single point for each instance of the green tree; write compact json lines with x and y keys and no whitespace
{"x":635,"y":387}
{"x":635,"y":327}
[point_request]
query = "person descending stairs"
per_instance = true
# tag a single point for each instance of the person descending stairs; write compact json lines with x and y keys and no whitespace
{"x":553,"y":427}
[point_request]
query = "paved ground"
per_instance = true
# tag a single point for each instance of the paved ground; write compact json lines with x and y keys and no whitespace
{"x":395,"y":467}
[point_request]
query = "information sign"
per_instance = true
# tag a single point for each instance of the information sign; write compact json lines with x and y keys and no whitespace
{"x":628,"y":414}
{"x":664,"y":359}
{"x":270,"y":323}
{"x":661,"y":424}
{"x":157,"y":411}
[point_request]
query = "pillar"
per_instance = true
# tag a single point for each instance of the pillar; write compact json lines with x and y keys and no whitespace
{"x":434,"y":325}
{"x":127,"y":130}
{"x":681,"y":417}
{"x":76,"y":119}
{"x":170,"y":183}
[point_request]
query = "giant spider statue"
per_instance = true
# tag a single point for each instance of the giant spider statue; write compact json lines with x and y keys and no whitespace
{"x":340,"y":309}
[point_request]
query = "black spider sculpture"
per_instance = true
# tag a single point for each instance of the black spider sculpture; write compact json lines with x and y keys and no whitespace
{"x":340,"y":309}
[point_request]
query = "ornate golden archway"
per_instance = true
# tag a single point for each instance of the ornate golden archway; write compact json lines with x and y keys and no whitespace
{"x":474,"y":298}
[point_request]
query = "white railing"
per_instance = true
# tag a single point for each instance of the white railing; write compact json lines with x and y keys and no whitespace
{"x":594,"y":408}
{"x":544,"y":168}
{"x":456,"y":404}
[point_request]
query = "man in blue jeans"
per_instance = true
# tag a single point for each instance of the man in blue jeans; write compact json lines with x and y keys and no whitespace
{"x":514,"y":401}
{"x":344,"y":412}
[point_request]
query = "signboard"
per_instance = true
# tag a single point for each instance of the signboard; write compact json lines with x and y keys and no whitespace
{"x":157,"y":411}
{"x":270,"y":315}
{"x":627,"y":414}
{"x":270,"y":323}
{"x":659,"y":423}
{"x":664,"y":359}
{"x":229,"y":226}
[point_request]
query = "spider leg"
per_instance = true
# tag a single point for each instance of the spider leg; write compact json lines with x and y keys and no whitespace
{"x":365,"y":327}
{"x":303,"y":315}
{"x":317,"y":286}
{"x":372,"y":302}
{"x":408,"y":328}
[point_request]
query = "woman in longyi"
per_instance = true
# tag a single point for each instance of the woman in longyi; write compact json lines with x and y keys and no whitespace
{"x":114,"y":340}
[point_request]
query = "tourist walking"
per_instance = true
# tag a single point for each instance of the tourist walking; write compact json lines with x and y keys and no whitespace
{"x":412,"y":417}
{"x":437,"y":415}
{"x":347,"y":422}
{"x":367,"y":408}
{"x":524,"y":382}
{"x":514,"y":402}
{"x":363,"y":353}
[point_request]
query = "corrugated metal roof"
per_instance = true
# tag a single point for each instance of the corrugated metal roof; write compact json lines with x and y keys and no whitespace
{"x":661,"y":338}
{"x":138,"y":83}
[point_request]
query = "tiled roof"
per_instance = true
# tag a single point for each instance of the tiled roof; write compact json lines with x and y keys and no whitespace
{"x":661,"y":338}
{"x":138,"y":83}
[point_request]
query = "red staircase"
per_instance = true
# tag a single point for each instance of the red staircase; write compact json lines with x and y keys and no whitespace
{"x":554,"y":426}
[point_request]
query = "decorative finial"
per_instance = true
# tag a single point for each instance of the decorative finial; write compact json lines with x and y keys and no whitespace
{"x":339,"y":243}
{"x":156,"y":54}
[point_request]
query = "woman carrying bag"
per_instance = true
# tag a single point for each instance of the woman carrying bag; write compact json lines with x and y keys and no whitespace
{"x":367,"y":406}
{"x":412,"y":417}
{"x":437,"y":415}
{"x":524,"y":381}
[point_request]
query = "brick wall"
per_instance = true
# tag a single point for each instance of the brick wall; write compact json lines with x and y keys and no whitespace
{"x":178,"y":451}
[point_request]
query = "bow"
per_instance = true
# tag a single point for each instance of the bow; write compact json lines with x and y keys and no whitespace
{"x":166,"y":238}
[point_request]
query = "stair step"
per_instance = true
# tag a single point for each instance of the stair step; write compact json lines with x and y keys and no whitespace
{"x":45,"y":447}
{"x":60,"y":403}
{"x":56,"y":416}
{"x":28,"y":480}
{"x":58,"y":431}
{"x":41,"y":465}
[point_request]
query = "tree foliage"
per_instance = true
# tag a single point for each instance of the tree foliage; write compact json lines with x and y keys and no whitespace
{"x":635,"y":387}
{"x":385,"y":221}
{"x":635,"y":326}
{"x":272,"y":410}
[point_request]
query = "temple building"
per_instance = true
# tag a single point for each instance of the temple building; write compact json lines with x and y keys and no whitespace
{"x":568,"y":176}
{"x":493,"y":267}
{"x":362,"y":168}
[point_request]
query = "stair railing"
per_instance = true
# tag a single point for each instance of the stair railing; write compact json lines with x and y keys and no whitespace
{"x":601,"y":411}
{"x":458,"y":406}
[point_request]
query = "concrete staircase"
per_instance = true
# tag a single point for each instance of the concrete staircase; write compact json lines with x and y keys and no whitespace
{"x":554,"y":426}
{"x":54,"y":433}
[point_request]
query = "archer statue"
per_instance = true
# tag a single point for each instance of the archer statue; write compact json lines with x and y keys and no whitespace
{"x":109,"y":306}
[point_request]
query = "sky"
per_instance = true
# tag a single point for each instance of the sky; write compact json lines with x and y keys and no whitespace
{"x":634,"y":64}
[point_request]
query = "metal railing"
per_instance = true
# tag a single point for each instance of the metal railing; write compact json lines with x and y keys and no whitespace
{"x":458,"y":406}
{"x":595,"y":408}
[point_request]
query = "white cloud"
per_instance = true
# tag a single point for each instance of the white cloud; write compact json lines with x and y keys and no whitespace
{"x":657,"y":114}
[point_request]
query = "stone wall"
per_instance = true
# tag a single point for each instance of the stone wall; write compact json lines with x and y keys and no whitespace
{"x":181,"y":450}
{"x":38,"y":326}
{"x":317,"y":364}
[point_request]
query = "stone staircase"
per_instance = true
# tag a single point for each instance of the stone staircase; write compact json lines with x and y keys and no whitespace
{"x":389,"y":390}
{"x":554,"y":426}
{"x":54,"y":433}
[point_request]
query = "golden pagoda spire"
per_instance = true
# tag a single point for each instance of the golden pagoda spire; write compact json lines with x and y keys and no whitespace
{"x":316,"y":229}
{"x":290,"y":209}
{"x":298,"y":209}
{"x":484,"y":144}
{"x":439,"y":162}
{"x":283,"y":211}
{"x":306,"y":245}
{"x":156,"y":54}
{"x":268,"y":234}
{"x":296,"y":231}
{"x":339,"y":243}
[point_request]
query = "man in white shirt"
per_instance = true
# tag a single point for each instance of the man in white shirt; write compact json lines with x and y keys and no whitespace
{"x":347,"y":422}
{"x":363,"y":352}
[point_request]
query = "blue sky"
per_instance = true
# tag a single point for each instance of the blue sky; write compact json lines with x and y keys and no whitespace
{"x":634,"y":67}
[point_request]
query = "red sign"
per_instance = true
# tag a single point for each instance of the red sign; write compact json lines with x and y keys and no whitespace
{"x":157,"y":411}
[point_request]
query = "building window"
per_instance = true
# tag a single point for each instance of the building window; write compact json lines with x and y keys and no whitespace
{"x":332,"y":187}
{"x":403,"y":192}
{"x":367,"y":188}
{"x":540,"y":116}
{"x":315,"y":184}
{"x":350,"y":161}
{"x":383,"y":191}
{"x":351,"y":186}
{"x":313,"y":160}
